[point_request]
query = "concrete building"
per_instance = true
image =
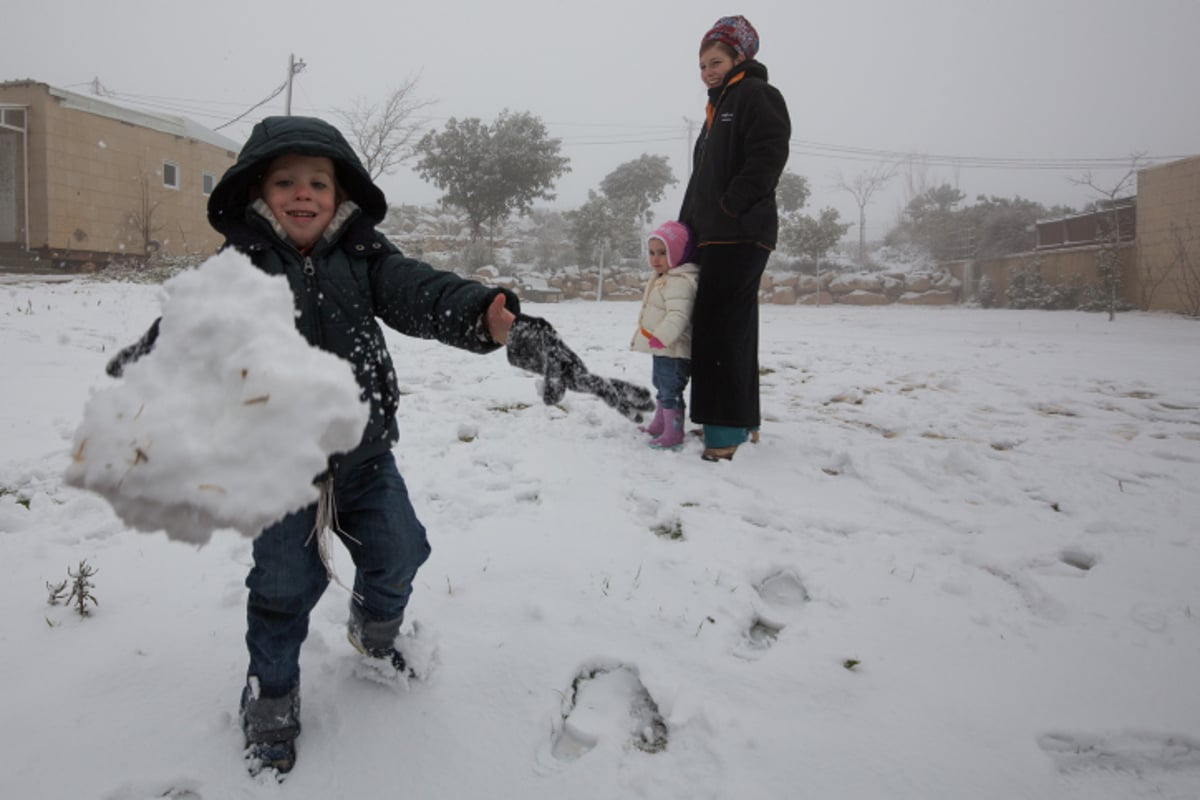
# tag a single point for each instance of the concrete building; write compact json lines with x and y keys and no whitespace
{"x":1159,"y":245}
{"x":84,"y":181}
{"x":1168,"y":237}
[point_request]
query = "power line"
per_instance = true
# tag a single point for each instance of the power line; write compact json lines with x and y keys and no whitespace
{"x":653,"y":133}
{"x":586,"y":142}
{"x":264,"y":101}
{"x":849,"y":153}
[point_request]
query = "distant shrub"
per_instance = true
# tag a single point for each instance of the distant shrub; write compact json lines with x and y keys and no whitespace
{"x":986,"y":295}
{"x":1095,"y":297}
{"x":1028,"y":289}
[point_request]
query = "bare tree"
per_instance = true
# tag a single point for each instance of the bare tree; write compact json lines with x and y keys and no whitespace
{"x":917,"y":180}
{"x":861,"y":187}
{"x":1110,"y":260}
{"x":143,"y":221}
{"x":1186,"y":266}
{"x":384,"y":134}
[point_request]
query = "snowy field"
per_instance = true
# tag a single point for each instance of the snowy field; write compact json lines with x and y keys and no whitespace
{"x":962,"y":563}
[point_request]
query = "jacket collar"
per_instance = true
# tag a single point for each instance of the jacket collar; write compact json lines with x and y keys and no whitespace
{"x":716,"y":93}
{"x":259,"y":212}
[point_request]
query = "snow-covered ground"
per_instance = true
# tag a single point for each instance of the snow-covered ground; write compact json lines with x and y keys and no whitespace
{"x":962,"y":563}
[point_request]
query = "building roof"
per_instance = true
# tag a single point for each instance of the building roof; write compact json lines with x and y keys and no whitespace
{"x":166,"y":123}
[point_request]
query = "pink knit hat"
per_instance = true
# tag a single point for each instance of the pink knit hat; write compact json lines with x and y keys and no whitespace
{"x":677,"y":238}
{"x":737,"y":32}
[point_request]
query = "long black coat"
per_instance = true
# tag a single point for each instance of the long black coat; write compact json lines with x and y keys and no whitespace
{"x":730,"y":204}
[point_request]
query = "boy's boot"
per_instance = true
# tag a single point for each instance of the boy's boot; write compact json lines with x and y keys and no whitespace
{"x":672,"y":435}
{"x":655,"y":428}
{"x":271,"y":725}
{"x":375,"y":638}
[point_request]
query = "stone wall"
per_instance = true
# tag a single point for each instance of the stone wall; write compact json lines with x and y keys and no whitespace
{"x":1058,"y":266}
{"x":777,"y":288}
{"x":861,"y":289}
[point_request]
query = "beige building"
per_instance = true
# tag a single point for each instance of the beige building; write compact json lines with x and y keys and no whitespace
{"x":1159,"y":244}
{"x":83,"y":180}
{"x":1168,"y":237}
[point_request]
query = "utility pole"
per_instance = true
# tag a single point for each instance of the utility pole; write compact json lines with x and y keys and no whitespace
{"x":294,"y":68}
{"x":818,"y":294}
{"x":690,"y":124}
{"x":600,"y":283}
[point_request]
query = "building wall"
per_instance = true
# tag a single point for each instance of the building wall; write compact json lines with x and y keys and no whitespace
{"x":1161,"y":266}
{"x":1057,"y":266}
{"x":92,"y":178}
{"x":12,"y":186}
{"x":27,"y":94}
{"x":1168,"y":235}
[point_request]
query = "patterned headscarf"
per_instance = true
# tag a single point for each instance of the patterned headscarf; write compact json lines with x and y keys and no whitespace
{"x":737,"y":32}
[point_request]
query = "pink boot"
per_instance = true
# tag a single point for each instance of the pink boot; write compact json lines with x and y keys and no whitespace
{"x":655,"y":427}
{"x":672,"y":435}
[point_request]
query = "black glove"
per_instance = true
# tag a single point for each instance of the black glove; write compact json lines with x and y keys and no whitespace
{"x":116,"y":366}
{"x":533,"y":345}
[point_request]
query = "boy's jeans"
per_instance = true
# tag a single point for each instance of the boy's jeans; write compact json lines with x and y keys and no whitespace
{"x":385,"y":540}
{"x":670,"y":376}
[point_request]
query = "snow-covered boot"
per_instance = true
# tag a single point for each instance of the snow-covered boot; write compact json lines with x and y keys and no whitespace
{"x":672,"y":435}
{"x":655,"y":428}
{"x":271,"y":725}
{"x":376,"y":638}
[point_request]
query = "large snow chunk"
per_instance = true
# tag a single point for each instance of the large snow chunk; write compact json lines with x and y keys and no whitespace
{"x":228,"y":420}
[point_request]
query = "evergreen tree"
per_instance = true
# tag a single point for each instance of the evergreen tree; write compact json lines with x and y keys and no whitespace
{"x":492,"y":171}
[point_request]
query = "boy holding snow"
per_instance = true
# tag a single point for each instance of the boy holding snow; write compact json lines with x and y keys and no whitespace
{"x":299,"y":204}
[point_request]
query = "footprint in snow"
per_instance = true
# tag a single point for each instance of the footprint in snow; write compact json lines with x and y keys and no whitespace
{"x":178,"y":789}
{"x":1035,"y":599}
{"x":782,"y":588}
{"x":780,"y":591}
{"x":1137,"y":752}
{"x":607,"y":706}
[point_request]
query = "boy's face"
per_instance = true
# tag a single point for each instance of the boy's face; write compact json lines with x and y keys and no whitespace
{"x":302,"y":194}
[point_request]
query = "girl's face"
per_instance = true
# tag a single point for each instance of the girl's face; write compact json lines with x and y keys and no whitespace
{"x":658,"y":255}
{"x":302,"y":194}
{"x":715,"y":63}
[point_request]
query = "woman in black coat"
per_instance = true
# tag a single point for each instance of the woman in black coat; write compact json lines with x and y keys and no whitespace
{"x":730,"y":205}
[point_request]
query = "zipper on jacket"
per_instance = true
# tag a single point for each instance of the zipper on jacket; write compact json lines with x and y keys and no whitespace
{"x":314,"y":302}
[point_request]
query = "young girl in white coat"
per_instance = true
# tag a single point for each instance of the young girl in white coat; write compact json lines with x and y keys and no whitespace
{"x":665,"y":328}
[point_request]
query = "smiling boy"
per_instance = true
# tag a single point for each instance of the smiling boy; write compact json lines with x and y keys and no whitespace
{"x":301,"y":205}
{"x":301,"y":192}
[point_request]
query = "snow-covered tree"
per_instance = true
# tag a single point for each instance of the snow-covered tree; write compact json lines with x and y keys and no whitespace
{"x":861,"y":187}
{"x":801,"y":234}
{"x":492,"y":171}
{"x":633,"y":187}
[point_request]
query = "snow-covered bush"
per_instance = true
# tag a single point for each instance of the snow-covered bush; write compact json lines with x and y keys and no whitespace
{"x":1028,"y":289}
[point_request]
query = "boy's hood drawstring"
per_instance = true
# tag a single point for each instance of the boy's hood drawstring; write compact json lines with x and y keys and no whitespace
{"x":324,"y":529}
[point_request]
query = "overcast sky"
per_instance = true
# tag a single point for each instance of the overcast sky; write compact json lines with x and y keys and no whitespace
{"x":1015,"y":83}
